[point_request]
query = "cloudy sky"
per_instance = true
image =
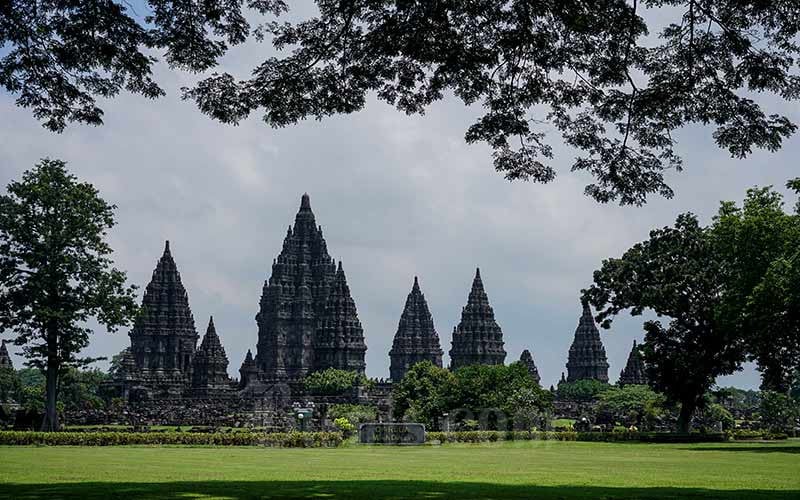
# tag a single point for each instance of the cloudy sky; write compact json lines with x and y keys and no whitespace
{"x":397,"y":196}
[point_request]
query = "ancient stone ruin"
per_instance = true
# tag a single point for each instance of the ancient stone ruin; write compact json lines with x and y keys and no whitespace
{"x":416,"y":338}
{"x":299,"y":329}
{"x":307,"y":321}
{"x":633,"y":373}
{"x":587,"y":356}
{"x":526,"y":358}
{"x":478,"y":339}
{"x":5,"y":357}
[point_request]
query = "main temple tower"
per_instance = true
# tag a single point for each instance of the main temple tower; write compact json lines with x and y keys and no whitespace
{"x":298,"y":309}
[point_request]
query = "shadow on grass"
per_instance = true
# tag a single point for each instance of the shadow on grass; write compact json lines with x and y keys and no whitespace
{"x":751,"y":448}
{"x":240,"y":490}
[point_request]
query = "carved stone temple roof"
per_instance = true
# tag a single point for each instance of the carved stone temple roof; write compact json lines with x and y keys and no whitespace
{"x":527,"y":359}
{"x":210,"y":370}
{"x":163,"y":337}
{"x":339,"y":338}
{"x":633,"y":373}
{"x":5,"y":357}
{"x":416,"y":338}
{"x":477,"y":339}
{"x":587,"y":356}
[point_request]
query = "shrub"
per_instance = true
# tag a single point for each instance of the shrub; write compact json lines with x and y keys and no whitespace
{"x":344,"y":425}
{"x":581,"y":390}
{"x":619,"y":436}
{"x":355,"y":414}
{"x":279,"y":439}
{"x":331,"y":382}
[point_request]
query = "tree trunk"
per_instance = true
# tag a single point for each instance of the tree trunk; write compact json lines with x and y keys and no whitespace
{"x":50,"y":420}
{"x":685,"y":416}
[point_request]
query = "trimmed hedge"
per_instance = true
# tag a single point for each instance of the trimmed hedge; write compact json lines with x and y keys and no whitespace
{"x":743,"y":434}
{"x":278,"y":439}
{"x":648,"y":437}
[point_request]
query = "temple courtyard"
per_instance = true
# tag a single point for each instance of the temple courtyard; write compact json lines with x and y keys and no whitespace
{"x":500,"y":470}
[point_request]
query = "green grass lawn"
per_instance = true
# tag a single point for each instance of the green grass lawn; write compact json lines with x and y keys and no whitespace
{"x":502,"y":470}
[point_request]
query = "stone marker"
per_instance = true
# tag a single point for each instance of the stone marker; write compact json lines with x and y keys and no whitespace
{"x":391,"y":433}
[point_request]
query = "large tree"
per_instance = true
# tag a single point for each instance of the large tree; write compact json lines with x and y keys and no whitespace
{"x":614,"y":78}
{"x":760,"y":244}
{"x":731,"y":291}
{"x":675,"y":273}
{"x":55,"y":272}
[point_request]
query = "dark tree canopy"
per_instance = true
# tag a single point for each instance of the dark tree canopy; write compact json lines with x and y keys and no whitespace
{"x":730,"y":291}
{"x":675,"y":274}
{"x":65,"y":54}
{"x":55,"y":271}
{"x":760,"y":244}
{"x":614,"y":78}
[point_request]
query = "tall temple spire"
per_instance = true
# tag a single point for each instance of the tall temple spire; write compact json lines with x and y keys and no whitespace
{"x":5,"y":357}
{"x":163,"y":337}
{"x":416,"y":338}
{"x":634,"y":372}
{"x":292,"y":300}
{"x":477,"y":339}
{"x":526,"y":358}
{"x":587,"y":356}
{"x":210,"y":366}
{"x":339,"y":338}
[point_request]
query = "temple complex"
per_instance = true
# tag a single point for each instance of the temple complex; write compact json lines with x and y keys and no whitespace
{"x":478,"y":339}
{"x":296,"y":316}
{"x":633,"y":373}
{"x":416,"y":338}
{"x":210,"y":365}
{"x":307,"y":321}
{"x":5,"y":357}
{"x":527,"y":359}
{"x":587,"y":356}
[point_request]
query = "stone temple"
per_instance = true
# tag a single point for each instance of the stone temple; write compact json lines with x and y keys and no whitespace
{"x":633,"y":373}
{"x":587,"y":356}
{"x":478,"y":339}
{"x":527,"y":359}
{"x":163,"y":338}
{"x":163,"y":360}
{"x":5,"y":357}
{"x":416,"y":338}
{"x":307,"y":319}
{"x":210,"y":365}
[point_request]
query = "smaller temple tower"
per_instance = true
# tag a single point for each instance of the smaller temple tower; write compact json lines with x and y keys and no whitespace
{"x":478,"y":339}
{"x":587,"y":356}
{"x":416,"y":338}
{"x":5,"y":357}
{"x":633,"y":373}
{"x":248,"y":373}
{"x":527,"y":359}
{"x":210,"y":365}
{"x":339,"y":338}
